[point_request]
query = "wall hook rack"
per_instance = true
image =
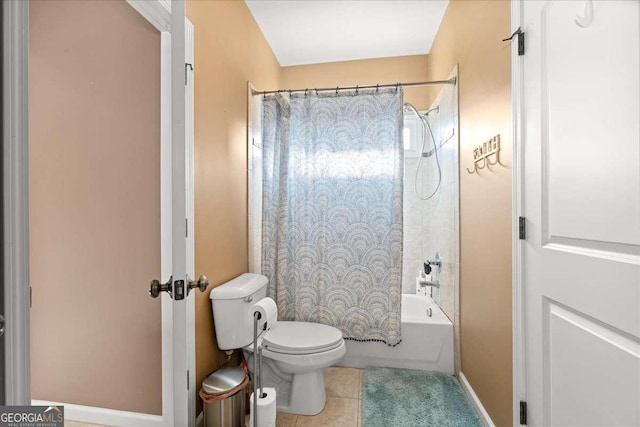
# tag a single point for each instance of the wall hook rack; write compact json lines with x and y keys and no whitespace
{"x":482,"y":155}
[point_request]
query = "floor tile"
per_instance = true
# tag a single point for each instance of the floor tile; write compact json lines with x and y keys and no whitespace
{"x":338,"y":412}
{"x":342,"y":382}
{"x":286,"y":420}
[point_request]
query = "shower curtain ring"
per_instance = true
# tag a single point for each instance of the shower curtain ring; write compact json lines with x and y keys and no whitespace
{"x":305,"y":92}
{"x":337,"y":89}
{"x":316,"y":91}
{"x":377,"y":87}
{"x":357,"y":90}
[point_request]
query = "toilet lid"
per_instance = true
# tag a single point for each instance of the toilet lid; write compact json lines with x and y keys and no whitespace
{"x":302,"y":338}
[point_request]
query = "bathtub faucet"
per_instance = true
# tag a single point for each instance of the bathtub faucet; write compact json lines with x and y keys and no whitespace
{"x":424,"y":282}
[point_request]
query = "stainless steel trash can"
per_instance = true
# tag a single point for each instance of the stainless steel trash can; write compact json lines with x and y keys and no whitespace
{"x":224,"y":397}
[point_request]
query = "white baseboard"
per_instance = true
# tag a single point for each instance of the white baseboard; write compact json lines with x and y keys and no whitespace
{"x":477,"y":405}
{"x":110,"y":417}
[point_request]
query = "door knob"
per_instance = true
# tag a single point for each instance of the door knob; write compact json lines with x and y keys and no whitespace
{"x":155,"y":287}
{"x":202,"y":283}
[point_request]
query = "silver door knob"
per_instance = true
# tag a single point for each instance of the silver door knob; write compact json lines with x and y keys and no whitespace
{"x":202,"y":283}
{"x":155,"y":287}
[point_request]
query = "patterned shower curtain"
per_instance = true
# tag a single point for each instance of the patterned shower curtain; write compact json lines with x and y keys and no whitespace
{"x":332,"y":210}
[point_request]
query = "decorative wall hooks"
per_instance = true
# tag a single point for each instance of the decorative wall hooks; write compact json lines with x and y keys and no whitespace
{"x":482,"y":154}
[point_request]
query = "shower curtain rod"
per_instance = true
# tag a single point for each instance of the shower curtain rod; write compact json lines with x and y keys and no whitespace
{"x":451,"y":81}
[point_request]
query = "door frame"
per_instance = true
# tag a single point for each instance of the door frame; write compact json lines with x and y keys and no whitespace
{"x":178,"y":319}
{"x":16,"y":201}
{"x":518,"y":293}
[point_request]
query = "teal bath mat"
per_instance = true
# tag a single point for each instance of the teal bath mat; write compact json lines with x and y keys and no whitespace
{"x":406,"y":397}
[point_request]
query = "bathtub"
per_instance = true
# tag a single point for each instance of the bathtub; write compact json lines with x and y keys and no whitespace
{"x":427,"y":342}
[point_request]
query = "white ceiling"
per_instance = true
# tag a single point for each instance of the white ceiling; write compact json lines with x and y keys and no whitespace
{"x":315,"y":31}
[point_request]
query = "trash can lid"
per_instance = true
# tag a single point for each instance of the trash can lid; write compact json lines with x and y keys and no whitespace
{"x":223,"y":380}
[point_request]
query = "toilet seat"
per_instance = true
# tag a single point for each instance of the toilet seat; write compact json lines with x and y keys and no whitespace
{"x":302,"y":338}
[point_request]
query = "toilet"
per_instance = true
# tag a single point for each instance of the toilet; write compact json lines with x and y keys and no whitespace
{"x":294,"y":354}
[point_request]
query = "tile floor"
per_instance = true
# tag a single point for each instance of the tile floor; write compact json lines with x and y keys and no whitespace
{"x":342,"y":409}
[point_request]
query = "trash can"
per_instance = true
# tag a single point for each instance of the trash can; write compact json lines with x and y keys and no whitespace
{"x":223,"y":397}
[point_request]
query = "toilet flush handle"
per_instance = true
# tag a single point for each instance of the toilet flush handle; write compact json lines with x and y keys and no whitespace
{"x":249,"y":298}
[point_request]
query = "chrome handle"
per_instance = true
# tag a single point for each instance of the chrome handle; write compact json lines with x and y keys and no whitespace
{"x":155,"y":287}
{"x":437,"y":262}
{"x":202,"y":283}
{"x":248,"y":299}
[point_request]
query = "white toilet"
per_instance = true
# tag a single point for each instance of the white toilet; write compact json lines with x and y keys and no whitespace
{"x":294,"y":354}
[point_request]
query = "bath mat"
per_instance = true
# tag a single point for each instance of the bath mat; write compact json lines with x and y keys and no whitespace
{"x":411,"y":398}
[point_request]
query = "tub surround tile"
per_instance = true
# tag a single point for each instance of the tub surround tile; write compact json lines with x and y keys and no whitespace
{"x":430,"y":182}
{"x":431,"y":242}
{"x":412,"y":242}
{"x":441,"y":213}
{"x":412,"y":212}
{"x":410,"y":268}
{"x":410,"y":168}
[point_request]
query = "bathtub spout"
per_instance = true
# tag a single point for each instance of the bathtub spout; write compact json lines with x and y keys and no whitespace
{"x":424,"y":282}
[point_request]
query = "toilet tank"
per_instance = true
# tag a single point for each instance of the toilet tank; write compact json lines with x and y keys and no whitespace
{"x":231,"y":303}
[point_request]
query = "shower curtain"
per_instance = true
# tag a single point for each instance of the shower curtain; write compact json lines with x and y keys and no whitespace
{"x":332,"y":209}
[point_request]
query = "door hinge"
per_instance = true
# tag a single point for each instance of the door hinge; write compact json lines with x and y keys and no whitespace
{"x":522,"y":228}
{"x":523,"y":413}
{"x":186,"y":67}
{"x":520,"y":40}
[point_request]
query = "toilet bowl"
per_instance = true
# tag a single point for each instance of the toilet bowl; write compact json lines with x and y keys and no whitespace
{"x":294,"y":354}
{"x":294,"y":357}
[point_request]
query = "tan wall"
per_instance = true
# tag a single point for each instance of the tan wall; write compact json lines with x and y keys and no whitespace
{"x":398,"y":69}
{"x":232,"y":50}
{"x":471,"y":35}
{"x":94,"y":111}
{"x":229,"y":51}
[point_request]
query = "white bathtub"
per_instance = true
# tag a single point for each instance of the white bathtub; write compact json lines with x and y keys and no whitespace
{"x":427,"y":342}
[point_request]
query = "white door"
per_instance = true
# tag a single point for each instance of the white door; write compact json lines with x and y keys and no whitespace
{"x":581,"y":200}
{"x":177,"y":329}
